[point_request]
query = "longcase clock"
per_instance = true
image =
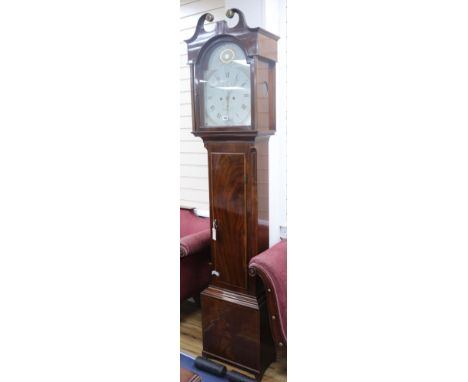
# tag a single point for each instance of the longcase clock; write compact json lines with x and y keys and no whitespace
{"x":233,"y":109}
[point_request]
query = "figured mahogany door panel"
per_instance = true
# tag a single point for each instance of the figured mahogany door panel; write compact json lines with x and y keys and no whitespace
{"x":228,"y":207}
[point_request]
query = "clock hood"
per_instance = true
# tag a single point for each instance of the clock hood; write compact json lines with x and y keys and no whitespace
{"x":255,"y":41}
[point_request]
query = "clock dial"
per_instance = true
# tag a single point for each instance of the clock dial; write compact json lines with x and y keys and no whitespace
{"x":227,"y":87}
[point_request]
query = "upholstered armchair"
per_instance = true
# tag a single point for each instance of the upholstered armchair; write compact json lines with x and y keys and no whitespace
{"x":271,"y":267}
{"x":194,"y":254}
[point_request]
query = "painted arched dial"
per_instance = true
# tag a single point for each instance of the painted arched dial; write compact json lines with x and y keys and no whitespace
{"x":226,"y":87}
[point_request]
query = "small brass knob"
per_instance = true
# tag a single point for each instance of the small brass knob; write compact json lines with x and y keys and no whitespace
{"x":269,"y":290}
{"x":281,"y":344}
{"x":273,"y":317}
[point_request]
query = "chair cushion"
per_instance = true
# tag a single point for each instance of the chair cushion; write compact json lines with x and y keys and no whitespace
{"x":191,"y":223}
{"x":195,"y":242}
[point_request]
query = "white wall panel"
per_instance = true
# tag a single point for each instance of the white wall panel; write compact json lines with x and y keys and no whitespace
{"x":187,"y":136}
{"x":189,"y":22}
{"x":200,"y":7}
{"x":192,"y":147}
{"x":185,"y":85}
{"x":195,"y":171}
{"x":194,"y":183}
{"x":185,"y":97}
{"x":186,"y":122}
{"x":185,"y":109}
{"x":197,"y":159}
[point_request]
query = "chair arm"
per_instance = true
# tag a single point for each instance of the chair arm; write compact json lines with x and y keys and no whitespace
{"x":271,"y":267}
{"x":273,"y":262}
{"x":195,"y":242}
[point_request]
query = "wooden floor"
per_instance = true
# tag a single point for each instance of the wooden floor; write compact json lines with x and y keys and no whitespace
{"x":191,"y":341}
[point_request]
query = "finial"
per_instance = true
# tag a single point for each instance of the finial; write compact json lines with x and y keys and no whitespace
{"x":230,"y":14}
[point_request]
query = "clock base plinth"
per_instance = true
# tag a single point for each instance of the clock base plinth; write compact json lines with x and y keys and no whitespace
{"x":236,"y":330}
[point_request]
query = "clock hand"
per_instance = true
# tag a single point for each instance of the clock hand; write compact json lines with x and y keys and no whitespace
{"x":227,"y":97}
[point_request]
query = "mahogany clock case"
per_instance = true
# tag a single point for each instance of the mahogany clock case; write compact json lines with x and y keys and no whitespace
{"x":235,"y":324}
{"x":234,"y":318}
{"x":260,"y":48}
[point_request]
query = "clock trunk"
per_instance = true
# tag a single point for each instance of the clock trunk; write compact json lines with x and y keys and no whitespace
{"x":238,"y":182}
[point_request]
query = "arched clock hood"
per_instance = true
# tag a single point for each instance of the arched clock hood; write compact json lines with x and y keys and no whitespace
{"x":260,"y":47}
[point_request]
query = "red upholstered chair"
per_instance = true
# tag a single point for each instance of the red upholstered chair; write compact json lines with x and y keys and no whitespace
{"x":195,"y":244}
{"x":271,"y":267}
